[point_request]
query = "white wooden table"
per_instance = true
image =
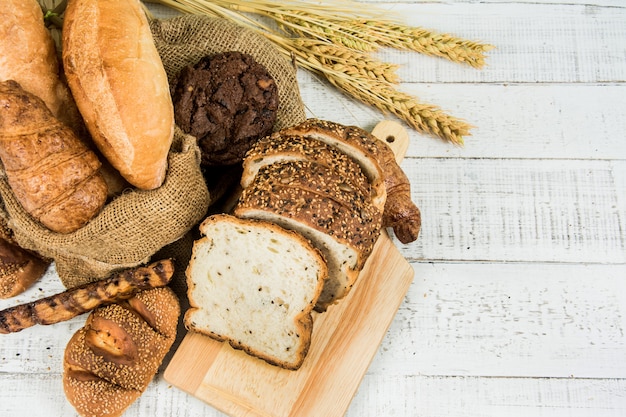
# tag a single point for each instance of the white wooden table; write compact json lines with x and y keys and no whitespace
{"x":518,"y":306}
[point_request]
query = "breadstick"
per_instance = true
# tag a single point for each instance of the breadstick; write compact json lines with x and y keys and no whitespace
{"x":79,"y":300}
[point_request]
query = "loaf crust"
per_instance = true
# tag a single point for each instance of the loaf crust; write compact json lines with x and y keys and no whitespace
{"x":120,"y":86}
{"x":53,"y":174}
{"x":279,"y":147}
{"x":379,"y":164}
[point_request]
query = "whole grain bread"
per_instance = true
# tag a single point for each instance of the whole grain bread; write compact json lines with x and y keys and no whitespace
{"x":345,"y":235}
{"x":278,"y":148}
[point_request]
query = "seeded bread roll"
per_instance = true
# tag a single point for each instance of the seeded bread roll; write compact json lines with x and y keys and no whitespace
{"x":344,"y":235}
{"x":19,"y":269}
{"x":109,"y":362}
{"x":254,"y":284}
{"x":281,"y":147}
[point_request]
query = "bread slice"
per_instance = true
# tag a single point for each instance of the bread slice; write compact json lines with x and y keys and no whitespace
{"x":254,"y":284}
{"x":355,"y":142}
{"x":320,"y":179}
{"x":282,"y":148}
{"x":344,"y":235}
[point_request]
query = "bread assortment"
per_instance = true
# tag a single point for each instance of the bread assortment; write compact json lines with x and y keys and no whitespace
{"x":315,"y":197}
{"x":120,"y":86}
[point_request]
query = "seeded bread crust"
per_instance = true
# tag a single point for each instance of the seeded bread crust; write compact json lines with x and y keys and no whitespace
{"x":344,"y":235}
{"x":110,"y":361}
{"x":359,"y":145}
{"x":278,"y":148}
{"x":378,"y":162}
{"x":320,"y":179}
{"x":254,"y":284}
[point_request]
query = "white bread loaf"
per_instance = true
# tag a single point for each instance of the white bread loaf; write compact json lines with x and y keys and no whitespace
{"x":345,"y":235}
{"x":254,"y":284}
{"x":120,"y":86}
{"x":28,"y":56}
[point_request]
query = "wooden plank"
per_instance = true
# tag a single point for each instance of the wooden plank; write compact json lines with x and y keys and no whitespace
{"x":418,"y":395}
{"x":379,"y":395}
{"x":550,"y":121}
{"x":534,"y":42}
{"x":498,"y":320}
{"x":510,"y":210}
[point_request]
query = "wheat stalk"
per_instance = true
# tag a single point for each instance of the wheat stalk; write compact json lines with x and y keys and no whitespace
{"x":331,"y":42}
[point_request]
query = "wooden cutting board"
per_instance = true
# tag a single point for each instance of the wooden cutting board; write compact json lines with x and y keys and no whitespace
{"x":345,"y":339}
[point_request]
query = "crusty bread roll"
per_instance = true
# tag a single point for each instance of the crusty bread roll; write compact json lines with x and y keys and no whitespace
{"x":28,"y":56}
{"x":109,"y":362}
{"x":254,"y":284}
{"x":52,"y":173}
{"x":120,"y":86}
{"x":19,"y":268}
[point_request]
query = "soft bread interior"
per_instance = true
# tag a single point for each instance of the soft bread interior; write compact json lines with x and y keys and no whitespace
{"x":256,"y":284}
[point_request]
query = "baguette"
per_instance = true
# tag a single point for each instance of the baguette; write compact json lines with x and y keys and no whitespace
{"x":79,"y":300}
{"x":120,"y":86}
{"x":28,"y":56}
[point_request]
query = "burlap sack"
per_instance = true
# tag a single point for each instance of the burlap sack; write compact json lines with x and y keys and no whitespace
{"x":183,"y":40}
{"x":138,"y":225}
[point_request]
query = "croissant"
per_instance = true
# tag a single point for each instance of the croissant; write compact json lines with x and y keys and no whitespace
{"x":53,"y":175}
{"x":79,"y":300}
{"x":400,"y":211}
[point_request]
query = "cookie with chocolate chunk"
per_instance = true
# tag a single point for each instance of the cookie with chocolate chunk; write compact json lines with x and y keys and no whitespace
{"x":227,"y":101}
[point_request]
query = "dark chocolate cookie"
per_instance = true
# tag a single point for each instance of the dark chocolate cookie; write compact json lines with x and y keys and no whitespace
{"x":227,"y":101}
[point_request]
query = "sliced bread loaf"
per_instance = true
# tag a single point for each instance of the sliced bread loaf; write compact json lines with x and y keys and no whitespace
{"x":378,"y":162}
{"x":281,"y":148}
{"x":254,"y":284}
{"x":345,"y":235}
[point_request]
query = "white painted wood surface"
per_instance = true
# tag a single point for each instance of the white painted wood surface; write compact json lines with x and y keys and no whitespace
{"x":518,"y":307}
